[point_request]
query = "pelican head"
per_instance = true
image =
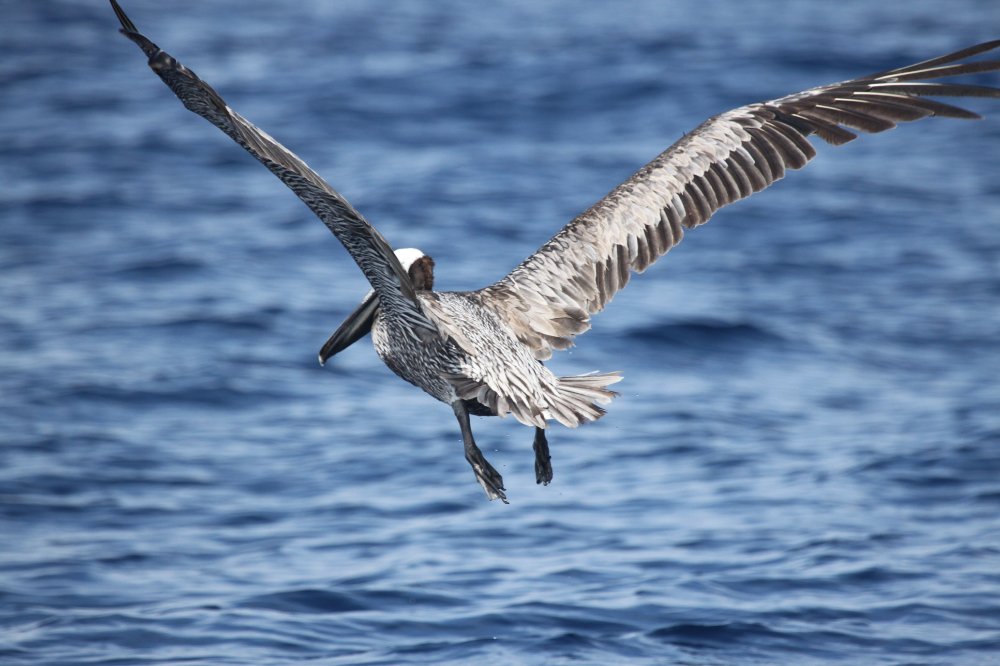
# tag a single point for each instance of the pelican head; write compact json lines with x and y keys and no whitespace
{"x":417,"y":265}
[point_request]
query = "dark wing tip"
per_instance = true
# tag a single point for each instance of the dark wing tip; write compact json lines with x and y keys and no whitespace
{"x":129,"y":30}
{"x":127,"y":25}
{"x":962,"y":54}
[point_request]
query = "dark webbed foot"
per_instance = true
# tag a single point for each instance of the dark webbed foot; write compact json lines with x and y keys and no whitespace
{"x":543,"y":461}
{"x":486,"y":475}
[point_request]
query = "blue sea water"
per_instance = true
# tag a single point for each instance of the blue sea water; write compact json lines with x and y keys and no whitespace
{"x":803,"y":466}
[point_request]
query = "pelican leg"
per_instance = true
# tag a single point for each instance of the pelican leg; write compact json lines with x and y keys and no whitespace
{"x":543,"y":461}
{"x":488,"y":478}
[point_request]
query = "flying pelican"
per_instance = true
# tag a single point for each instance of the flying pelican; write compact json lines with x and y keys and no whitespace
{"x":481,"y":351}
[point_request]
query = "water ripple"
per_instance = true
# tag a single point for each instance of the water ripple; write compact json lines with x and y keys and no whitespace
{"x":802,"y":467}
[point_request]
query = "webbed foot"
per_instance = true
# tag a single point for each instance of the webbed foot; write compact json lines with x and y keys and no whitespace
{"x":543,"y":461}
{"x":487,"y":476}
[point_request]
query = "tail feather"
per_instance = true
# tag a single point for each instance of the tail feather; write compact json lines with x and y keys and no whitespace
{"x":569,"y":400}
{"x":579,"y":398}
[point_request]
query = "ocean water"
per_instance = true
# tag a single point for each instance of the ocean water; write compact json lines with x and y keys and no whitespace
{"x":804,"y":463}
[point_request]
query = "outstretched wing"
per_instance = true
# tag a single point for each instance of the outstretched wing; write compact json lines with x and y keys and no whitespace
{"x":364,"y":243}
{"x":548,"y":299}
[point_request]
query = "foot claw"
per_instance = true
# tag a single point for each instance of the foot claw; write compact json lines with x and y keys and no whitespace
{"x":489,"y":479}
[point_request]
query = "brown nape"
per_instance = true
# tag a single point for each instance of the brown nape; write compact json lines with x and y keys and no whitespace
{"x":422,"y":273}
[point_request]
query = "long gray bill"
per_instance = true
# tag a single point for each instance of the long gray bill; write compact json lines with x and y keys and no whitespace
{"x":357,"y":324}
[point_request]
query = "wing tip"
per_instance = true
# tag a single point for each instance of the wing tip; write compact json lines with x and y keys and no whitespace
{"x":127,"y":25}
{"x":129,"y":30}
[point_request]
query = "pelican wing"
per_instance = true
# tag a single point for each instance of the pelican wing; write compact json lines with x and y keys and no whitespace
{"x":365,"y":244}
{"x":548,"y":299}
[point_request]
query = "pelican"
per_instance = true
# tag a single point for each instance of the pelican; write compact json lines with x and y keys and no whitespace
{"x":481,"y":351}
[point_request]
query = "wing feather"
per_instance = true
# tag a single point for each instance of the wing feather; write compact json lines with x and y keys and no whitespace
{"x":549,"y":297}
{"x":364,"y":243}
